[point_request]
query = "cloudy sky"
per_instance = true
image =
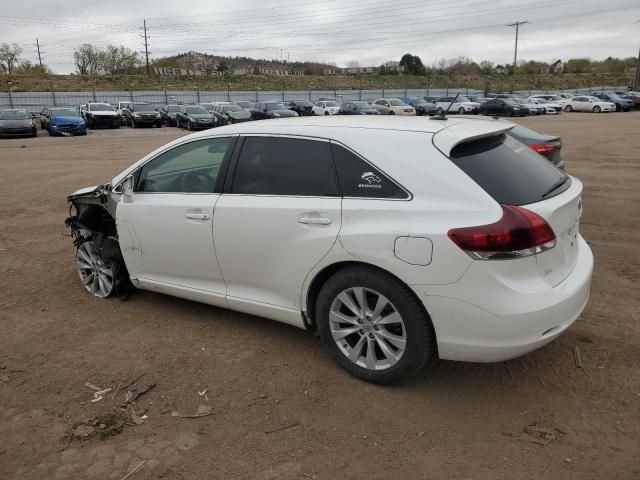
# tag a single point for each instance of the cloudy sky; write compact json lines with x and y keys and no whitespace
{"x":341,"y":31}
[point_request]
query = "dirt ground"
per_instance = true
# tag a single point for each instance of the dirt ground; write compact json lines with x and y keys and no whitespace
{"x":280,"y":408}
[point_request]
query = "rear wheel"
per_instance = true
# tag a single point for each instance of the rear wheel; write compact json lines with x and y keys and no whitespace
{"x":461,"y":111}
{"x":568,"y":108}
{"x":373,"y":325}
{"x":596,"y":109}
{"x":439,"y":111}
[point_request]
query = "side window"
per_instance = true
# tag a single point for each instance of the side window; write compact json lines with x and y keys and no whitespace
{"x":189,"y":168}
{"x":285,"y":166}
{"x":357,"y":178}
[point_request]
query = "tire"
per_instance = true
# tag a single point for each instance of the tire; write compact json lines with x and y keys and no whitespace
{"x":116,"y":125}
{"x":391,"y":112}
{"x":133,"y":123}
{"x":568,"y":108}
{"x":326,"y":113}
{"x":97,"y":276}
{"x":91,"y":124}
{"x":189,"y":125}
{"x":461,"y":111}
{"x":439,"y":111}
{"x":597,"y":109}
{"x":35,"y":132}
{"x":408,"y":357}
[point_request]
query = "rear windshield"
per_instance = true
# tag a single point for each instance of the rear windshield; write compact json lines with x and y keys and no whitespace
{"x":509,"y":171}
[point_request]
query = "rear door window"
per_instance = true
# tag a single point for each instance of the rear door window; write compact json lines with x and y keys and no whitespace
{"x":285,"y":166}
{"x":509,"y":171}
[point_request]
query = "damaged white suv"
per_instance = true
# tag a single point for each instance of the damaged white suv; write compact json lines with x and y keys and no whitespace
{"x":396,"y":239}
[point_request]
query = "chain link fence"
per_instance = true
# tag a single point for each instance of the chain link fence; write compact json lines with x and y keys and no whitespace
{"x":36,"y":101}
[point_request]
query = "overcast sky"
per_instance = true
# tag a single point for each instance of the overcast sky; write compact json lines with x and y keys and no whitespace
{"x":340,"y":31}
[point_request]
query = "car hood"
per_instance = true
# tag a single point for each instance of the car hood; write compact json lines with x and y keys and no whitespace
{"x":66,"y":120}
{"x":145,"y":112}
{"x":102,"y":112}
{"x":201,"y":116}
{"x":239,"y":115}
{"x":284,"y":113}
{"x":15,"y":123}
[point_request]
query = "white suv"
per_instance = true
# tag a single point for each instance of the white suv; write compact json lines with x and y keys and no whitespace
{"x":397,"y":240}
{"x":393,"y":106}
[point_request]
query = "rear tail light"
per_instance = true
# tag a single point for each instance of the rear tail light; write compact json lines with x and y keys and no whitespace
{"x":542,"y":148}
{"x":519,"y":233}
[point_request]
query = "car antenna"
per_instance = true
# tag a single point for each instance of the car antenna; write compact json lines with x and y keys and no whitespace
{"x":443,"y":115}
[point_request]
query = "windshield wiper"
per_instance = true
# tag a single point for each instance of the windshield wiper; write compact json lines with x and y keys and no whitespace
{"x":556,"y":185}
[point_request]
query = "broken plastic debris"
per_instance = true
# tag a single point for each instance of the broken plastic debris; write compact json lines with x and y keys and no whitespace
{"x":99,"y":395}
{"x":203,"y":411}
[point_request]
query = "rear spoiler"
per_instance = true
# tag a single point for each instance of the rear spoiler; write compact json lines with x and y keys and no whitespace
{"x":447,"y":138}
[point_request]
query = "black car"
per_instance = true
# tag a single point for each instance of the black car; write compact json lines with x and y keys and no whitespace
{"x":139,"y":114}
{"x":546,"y":145}
{"x":422,"y":106}
{"x":622,"y":104}
{"x":301,"y":107}
{"x":98,"y":115}
{"x":17,"y":122}
{"x":263,"y":110}
{"x":194,"y":117}
{"x":357,"y":108}
{"x":503,"y":107}
{"x":245,"y":104}
{"x":229,"y":114}
{"x":168,"y":114}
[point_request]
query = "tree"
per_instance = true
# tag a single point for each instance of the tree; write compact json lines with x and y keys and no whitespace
{"x":9,"y":56}
{"x":486,"y":67}
{"x":353,"y":64}
{"x":117,"y":60}
{"x":412,"y":64}
{"x":89,"y":60}
{"x":27,"y":67}
{"x":222,"y":66}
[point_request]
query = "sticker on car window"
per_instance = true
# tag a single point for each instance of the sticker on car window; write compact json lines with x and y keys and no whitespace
{"x":373,"y":181}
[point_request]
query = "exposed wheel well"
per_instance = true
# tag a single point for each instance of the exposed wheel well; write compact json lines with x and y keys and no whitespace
{"x":324,"y":275}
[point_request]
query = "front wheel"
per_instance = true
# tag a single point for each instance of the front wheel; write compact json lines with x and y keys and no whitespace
{"x":568,"y":108}
{"x":461,"y":111}
{"x":96,"y":275}
{"x":374,"y":326}
{"x":439,"y":111}
{"x":596,"y":109}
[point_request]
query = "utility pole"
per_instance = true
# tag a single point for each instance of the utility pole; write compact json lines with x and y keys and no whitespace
{"x":515,"y":52}
{"x":636,"y":83}
{"x":38,"y":50}
{"x":146,"y":44}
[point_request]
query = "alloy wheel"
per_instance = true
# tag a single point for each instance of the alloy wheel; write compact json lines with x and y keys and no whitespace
{"x":95,"y":274}
{"x":367,"y":328}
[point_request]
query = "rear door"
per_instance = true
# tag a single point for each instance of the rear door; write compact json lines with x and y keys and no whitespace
{"x":279,"y":215}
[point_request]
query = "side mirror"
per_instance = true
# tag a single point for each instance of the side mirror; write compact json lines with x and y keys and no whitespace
{"x":127,"y":189}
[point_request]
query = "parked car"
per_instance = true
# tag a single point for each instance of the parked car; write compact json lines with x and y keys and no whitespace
{"x":552,"y":98}
{"x":98,"y":115}
{"x":471,"y":250}
{"x":550,"y":108}
{"x":228,"y":114}
{"x":357,"y":107}
{"x":43,"y":118}
{"x":548,"y":146}
{"x":460,"y":105}
{"x":635,"y":99}
{"x":622,"y":104}
{"x":195,"y":117}
{"x":264,"y":110}
{"x":246,"y":105}
{"x":64,"y":121}
{"x":331,"y":99}
{"x":503,"y":107}
{"x":168,"y":114}
{"x":121,"y":105}
{"x":140,"y":114}
{"x":17,"y":122}
{"x":421,"y":105}
{"x":393,"y":106}
{"x":302,"y":107}
{"x":529,"y":108}
{"x":325,"y":107}
{"x":586,"y":103}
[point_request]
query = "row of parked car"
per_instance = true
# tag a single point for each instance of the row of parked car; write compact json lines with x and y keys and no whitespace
{"x":66,"y":121}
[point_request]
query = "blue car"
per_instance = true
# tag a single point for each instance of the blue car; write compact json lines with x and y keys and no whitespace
{"x":622,"y":104}
{"x":63,"y":121}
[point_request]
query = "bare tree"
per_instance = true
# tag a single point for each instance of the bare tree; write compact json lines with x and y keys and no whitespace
{"x":117,"y":60}
{"x":353,"y":64}
{"x":9,"y":56}
{"x":88,"y":59}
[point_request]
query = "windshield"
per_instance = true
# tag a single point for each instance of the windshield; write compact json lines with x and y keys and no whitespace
{"x":596,"y":99}
{"x":231,"y":108}
{"x":394,"y":102}
{"x":14,"y":115}
{"x":244,"y":104}
{"x":462,"y":99}
{"x":275,"y":106}
{"x":196,"y":110}
{"x":142,"y":106}
{"x":173,"y":108}
{"x":64,"y":112}
{"x":122,"y":104}
{"x":95,"y":107}
{"x":362,"y":104}
{"x":332,"y":104}
{"x":510,"y":101}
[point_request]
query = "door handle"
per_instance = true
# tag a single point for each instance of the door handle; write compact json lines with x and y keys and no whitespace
{"x":314,"y":220}
{"x":197,"y":216}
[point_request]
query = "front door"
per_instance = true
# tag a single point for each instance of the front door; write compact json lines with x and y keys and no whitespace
{"x":166,"y":229}
{"x":279,"y":216}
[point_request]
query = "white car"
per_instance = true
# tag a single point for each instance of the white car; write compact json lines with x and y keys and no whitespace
{"x":552,"y":97}
{"x":550,"y":108}
{"x":461,"y":105}
{"x":393,"y":106}
{"x":397,"y":240}
{"x":585,"y":103}
{"x":327,"y":107}
{"x":119,"y":108}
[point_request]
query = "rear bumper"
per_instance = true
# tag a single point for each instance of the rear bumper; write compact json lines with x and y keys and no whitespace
{"x":485,"y":319}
